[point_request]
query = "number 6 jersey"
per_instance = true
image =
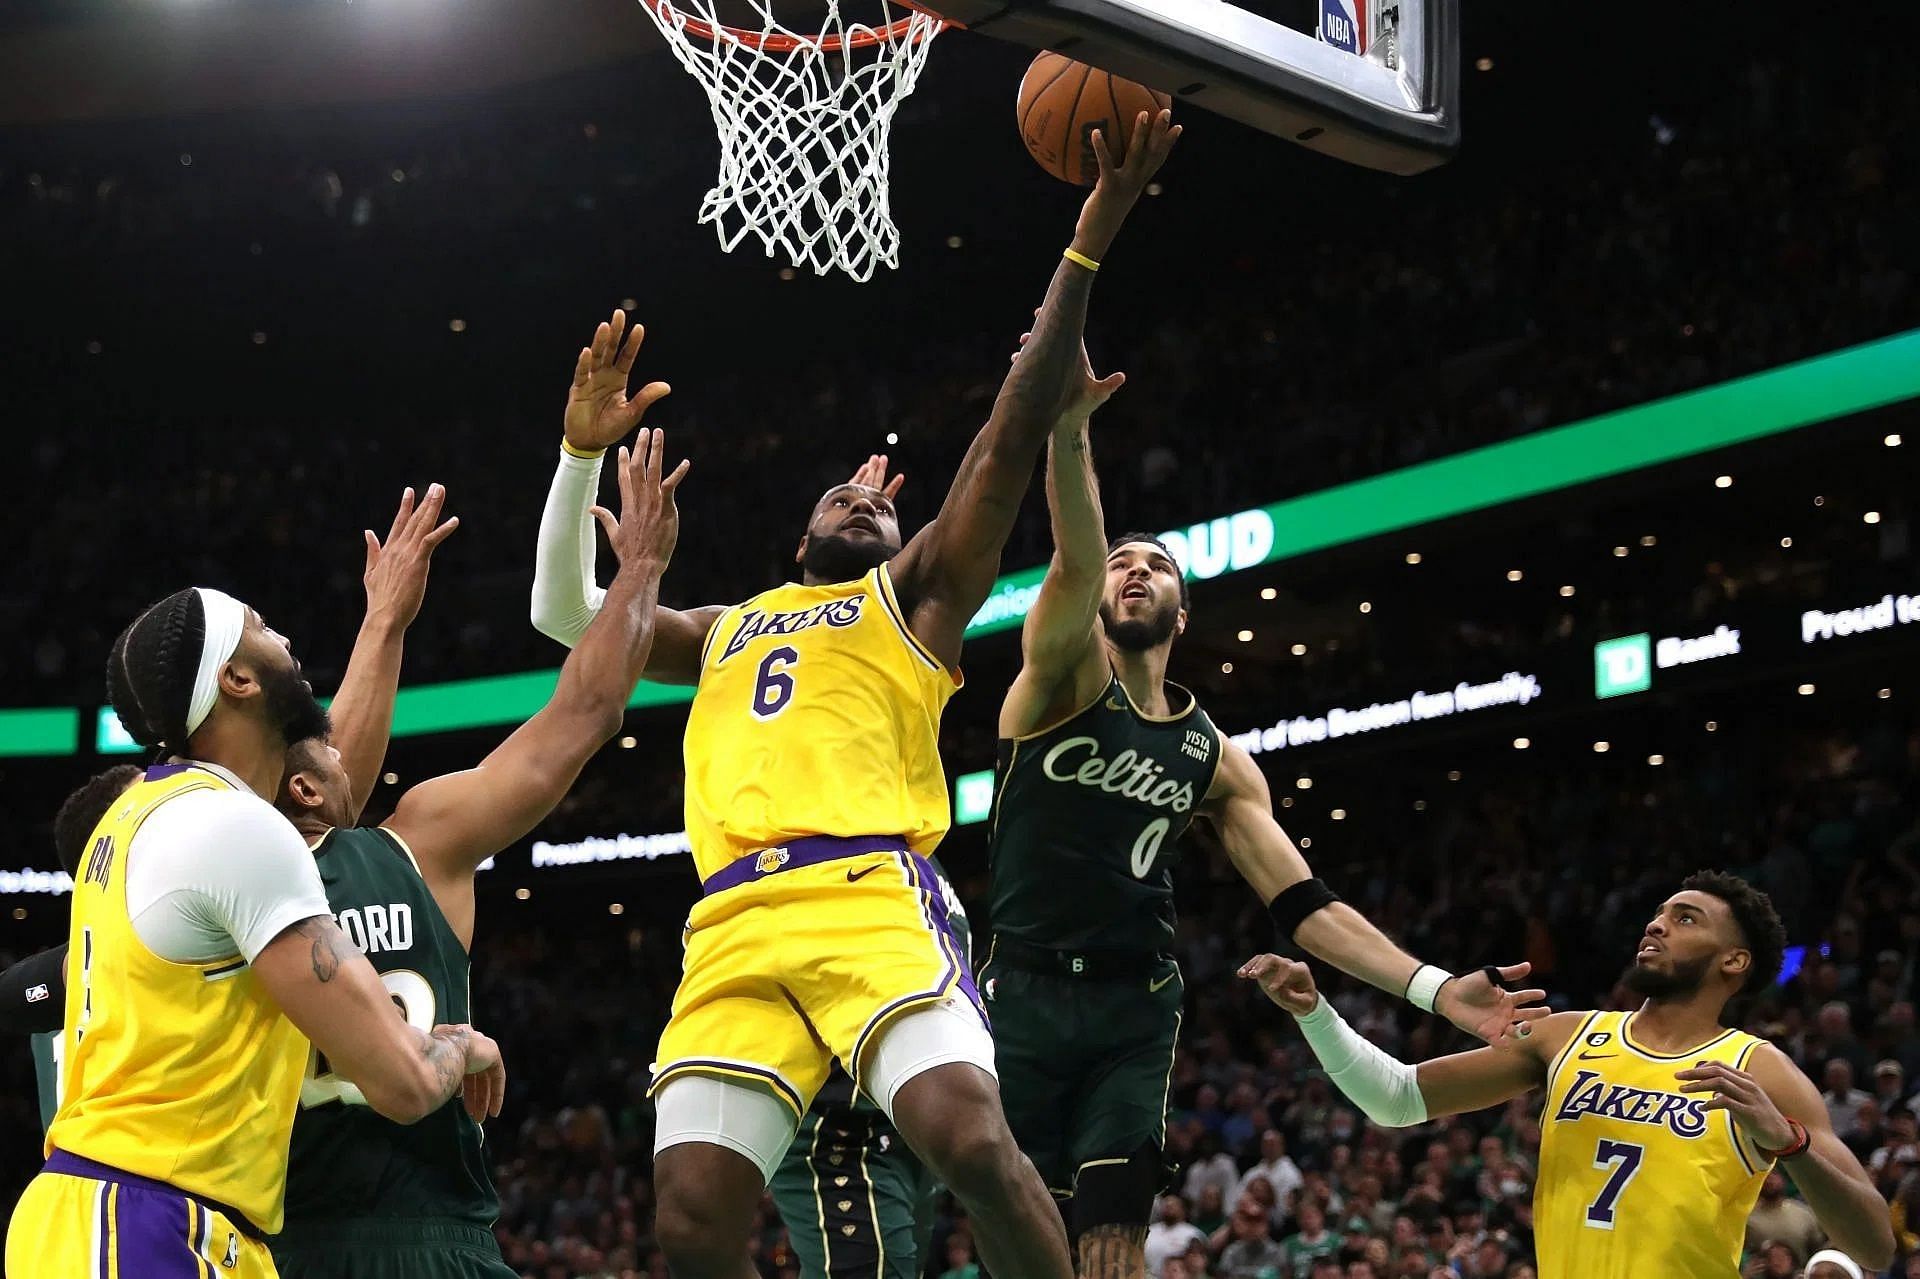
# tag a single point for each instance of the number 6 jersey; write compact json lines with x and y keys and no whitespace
{"x":1637,"y":1177}
{"x":348,"y":1162}
{"x":818,"y":713}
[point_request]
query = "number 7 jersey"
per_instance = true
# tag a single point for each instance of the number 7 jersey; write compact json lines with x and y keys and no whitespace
{"x":1637,"y":1177}
{"x":818,"y":713}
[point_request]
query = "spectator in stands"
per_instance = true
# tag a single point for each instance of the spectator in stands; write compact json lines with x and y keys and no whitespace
{"x":1279,"y":1170}
{"x":1789,"y":1221}
{"x":1171,"y":1233}
{"x":1842,"y":1098}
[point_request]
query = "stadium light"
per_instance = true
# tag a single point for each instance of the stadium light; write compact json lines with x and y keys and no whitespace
{"x":1299,"y":650}
{"x":1806,"y":690}
{"x":1514,"y":575}
{"x":1656,"y":760}
{"x":1338,"y":814}
{"x":522,"y":894}
{"x":1246,"y":637}
{"x":628,"y":743}
{"x":1785,"y":542}
{"x":1713,"y":726}
{"x":1521,"y":743}
{"x":1303,"y":783}
{"x":1413,"y":557}
{"x":1366,"y":606}
{"x":616,"y":908}
{"x":1453,"y":775}
{"x":1566,"y":592}
{"x":1649,"y":539}
{"x":1619,"y":552}
{"x":1723,"y":481}
{"x":1269,"y":593}
{"x":1871,"y":517}
{"x":1226,"y":668}
{"x":391,"y":779}
{"x":1885,"y":693}
{"x":1602,"y":747}
{"x":1892,"y":441}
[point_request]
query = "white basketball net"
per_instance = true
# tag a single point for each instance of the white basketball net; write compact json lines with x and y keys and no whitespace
{"x":804,"y":119}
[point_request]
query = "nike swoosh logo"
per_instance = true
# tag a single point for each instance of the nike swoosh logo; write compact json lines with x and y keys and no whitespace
{"x":1115,"y":704}
{"x":1596,"y":1056}
{"x":860,"y":874}
{"x":1154,"y":987}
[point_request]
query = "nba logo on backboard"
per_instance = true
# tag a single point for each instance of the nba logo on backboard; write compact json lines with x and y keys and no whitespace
{"x":1343,"y":24}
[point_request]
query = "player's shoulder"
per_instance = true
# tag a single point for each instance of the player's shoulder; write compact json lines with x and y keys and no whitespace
{"x":216,"y":813}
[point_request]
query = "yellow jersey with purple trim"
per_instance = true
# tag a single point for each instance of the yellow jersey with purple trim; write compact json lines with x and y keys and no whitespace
{"x":1636,"y":1176}
{"x":818,"y":713}
{"x":184,"y":1073}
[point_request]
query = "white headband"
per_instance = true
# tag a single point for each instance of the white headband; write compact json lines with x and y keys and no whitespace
{"x":1834,"y":1257}
{"x":226,"y":619}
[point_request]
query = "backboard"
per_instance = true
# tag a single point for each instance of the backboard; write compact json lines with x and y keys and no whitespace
{"x":1372,"y":82}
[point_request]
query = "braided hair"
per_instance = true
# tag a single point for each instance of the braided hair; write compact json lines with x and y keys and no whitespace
{"x":150,"y":670}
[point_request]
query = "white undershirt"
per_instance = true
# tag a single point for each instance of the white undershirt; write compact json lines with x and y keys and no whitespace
{"x":213,"y":872}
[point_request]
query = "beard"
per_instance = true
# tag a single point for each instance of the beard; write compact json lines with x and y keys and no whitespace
{"x":292,"y":708}
{"x":833,"y":558}
{"x":1138,"y":634}
{"x":1686,"y":977}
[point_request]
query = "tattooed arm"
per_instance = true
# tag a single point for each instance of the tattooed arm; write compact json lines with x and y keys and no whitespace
{"x":330,"y":991}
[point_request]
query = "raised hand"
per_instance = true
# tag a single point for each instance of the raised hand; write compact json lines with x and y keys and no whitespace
{"x":1742,"y":1097}
{"x":1480,"y":1006}
{"x":396,"y":572}
{"x":872,"y":473}
{"x":1123,"y":178}
{"x":599,"y":410}
{"x":1284,"y":981}
{"x":649,"y":523}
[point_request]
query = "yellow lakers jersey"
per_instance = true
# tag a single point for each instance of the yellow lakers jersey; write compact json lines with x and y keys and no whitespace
{"x":1636,"y":1177}
{"x":818,"y":713}
{"x":185,"y":1073}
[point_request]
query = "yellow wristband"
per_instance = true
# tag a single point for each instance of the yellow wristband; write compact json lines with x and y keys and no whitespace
{"x":1081,"y":259}
{"x":589,"y":455}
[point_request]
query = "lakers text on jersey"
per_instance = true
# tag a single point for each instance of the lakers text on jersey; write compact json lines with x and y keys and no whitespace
{"x":1637,"y":1177}
{"x":814,"y":794}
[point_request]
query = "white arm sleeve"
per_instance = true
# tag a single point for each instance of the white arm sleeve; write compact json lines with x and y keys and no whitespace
{"x":214,"y":872}
{"x":1386,"y":1089}
{"x":565,"y":598}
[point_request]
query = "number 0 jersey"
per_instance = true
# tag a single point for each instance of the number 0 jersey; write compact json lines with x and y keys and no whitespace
{"x":1637,"y":1177}
{"x":1087,"y":820}
{"x":818,"y":713}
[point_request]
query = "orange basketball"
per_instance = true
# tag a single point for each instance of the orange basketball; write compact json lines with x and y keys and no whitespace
{"x":1062,"y":102}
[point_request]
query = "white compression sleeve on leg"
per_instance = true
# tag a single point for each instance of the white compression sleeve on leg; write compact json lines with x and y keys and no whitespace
{"x":1385,"y":1088}
{"x":719,"y":1112}
{"x":565,"y":598}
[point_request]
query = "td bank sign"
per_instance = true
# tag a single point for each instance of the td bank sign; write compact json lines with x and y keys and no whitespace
{"x":1626,"y":665}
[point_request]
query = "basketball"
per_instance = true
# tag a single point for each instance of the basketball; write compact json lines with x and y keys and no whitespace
{"x":1062,"y":102}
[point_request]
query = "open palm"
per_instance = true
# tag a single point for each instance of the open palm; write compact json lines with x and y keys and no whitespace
{"x":599,"y":410}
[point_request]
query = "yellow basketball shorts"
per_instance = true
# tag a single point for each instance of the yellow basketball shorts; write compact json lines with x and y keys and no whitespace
{"x":801,"y":954}
{"x":72,"y":1224}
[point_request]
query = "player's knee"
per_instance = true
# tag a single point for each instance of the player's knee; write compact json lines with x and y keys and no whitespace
{"x":976,"y":1160}
{"x":688,"y":1229}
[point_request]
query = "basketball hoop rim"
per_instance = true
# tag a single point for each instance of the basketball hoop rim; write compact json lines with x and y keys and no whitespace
{"x":769,"y":42}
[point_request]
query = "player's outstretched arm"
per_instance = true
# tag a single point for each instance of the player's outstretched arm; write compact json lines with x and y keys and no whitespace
{"x":396,"y":581}
{"x":1779,"y":1114}
{"x":333,"y":995}
{"x":1062,"y":659}
{"x":1389,"y":1091}
{"x":453,"y":823}
{"x":943,"y":575}
{"x":599,"y":415}
{"x":1307,"y":913}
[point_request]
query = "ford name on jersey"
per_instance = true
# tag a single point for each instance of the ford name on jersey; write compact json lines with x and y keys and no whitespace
{"x":1589,"y":1094}
{"x":377,"y":928}
{"x":754,"y":624}
{"x":1129,"y":773}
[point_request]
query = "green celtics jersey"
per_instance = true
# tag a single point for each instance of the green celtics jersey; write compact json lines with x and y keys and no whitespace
{"x":1086,"y":821}
{"x":347,"y":1162}
{"x":46,"y":1075}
